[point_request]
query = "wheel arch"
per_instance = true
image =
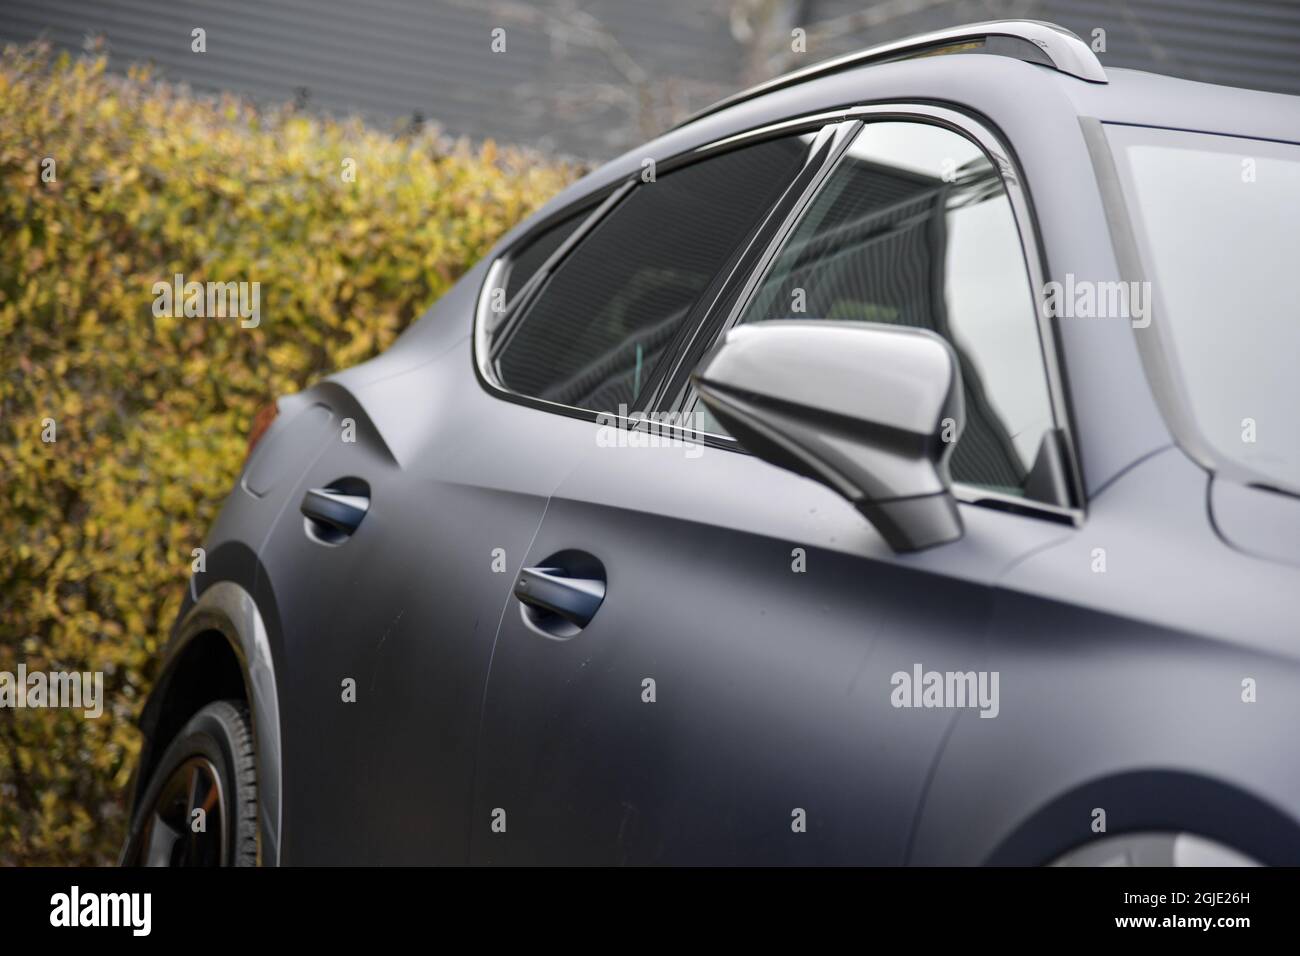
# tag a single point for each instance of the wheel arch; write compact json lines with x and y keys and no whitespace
{"x":219,"y":650}
{"x":1155,"y":801}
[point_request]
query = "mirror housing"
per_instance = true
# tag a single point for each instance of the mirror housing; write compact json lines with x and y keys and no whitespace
{"x":870,"y":410}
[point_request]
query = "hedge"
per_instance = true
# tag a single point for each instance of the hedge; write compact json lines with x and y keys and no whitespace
{"x":150,"y":414}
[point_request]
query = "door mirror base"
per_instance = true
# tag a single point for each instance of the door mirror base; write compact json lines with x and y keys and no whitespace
{"x":913,"y":524}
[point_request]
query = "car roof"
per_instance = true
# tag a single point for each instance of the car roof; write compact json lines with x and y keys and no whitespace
{"x":1152,"y":99}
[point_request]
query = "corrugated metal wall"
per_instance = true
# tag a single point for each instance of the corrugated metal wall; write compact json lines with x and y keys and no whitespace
{"x":594,"y":77}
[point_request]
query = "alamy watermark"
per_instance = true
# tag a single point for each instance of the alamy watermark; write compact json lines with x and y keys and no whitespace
{"x":1084,"y":299}
{"x":75,"y":908}
{"x":211,"y":300}
{"x":62,"y":689}
{"x":946,"y":689}
{"x":626,"y":429}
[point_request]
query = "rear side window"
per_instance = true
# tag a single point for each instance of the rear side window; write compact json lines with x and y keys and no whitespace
{"x":606,"y":316}
{"x":531,"y":258}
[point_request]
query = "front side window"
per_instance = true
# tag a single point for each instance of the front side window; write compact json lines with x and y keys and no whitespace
{"x":595,"y":330}
{"x":914,"y":227}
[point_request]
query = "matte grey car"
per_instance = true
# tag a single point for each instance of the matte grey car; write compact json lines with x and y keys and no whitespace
{"x":897,"y":463}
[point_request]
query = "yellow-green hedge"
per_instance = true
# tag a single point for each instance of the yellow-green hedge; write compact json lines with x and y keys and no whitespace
{"x":151,"y":414}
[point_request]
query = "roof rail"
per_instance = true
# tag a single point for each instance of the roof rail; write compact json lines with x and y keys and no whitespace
{"x":1055,"y":46}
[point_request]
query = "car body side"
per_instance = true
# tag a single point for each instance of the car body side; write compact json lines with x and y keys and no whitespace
{"x":1121,"y":690}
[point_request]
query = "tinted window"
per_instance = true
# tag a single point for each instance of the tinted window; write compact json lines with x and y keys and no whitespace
{"x":592,"y":336}
{"x":914,"y":227}
{"x":526,"y":262}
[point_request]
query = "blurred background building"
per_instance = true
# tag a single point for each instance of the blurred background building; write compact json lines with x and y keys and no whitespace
{"x":591,"y":78}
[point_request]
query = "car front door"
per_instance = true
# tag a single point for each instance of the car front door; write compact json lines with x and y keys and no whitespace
{"x":749,"y":686}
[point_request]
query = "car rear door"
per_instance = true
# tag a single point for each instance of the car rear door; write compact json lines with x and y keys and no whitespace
{"x":748,"y":688}
{"x":382,"y":635}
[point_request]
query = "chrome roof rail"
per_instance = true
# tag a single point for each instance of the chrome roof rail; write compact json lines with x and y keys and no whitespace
{"x":1057,"y":47}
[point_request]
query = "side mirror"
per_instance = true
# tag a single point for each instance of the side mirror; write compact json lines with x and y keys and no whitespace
{"x":872,"y":411}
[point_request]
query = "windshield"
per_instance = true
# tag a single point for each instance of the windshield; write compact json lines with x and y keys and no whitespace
{"x":1217,"y":222}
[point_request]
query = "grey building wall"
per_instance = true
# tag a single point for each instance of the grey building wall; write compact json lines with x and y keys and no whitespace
{"x":595,"y":77}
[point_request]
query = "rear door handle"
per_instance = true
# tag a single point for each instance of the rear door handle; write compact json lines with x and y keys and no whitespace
{"x":550,"y":589}
{"x":335,"y":510}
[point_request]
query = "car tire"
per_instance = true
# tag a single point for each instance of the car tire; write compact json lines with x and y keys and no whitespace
{"x":210,"y":766}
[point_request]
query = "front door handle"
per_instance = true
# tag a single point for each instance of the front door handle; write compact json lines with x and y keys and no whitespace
{"x":338,"y":512}
{"x":550,"y":590}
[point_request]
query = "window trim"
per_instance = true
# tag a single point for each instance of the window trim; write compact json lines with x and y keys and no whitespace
{"x":758,"y":246}
{"x":669,"y":392}
{"x":1032,"y":250}
{"x":604,"y":201}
